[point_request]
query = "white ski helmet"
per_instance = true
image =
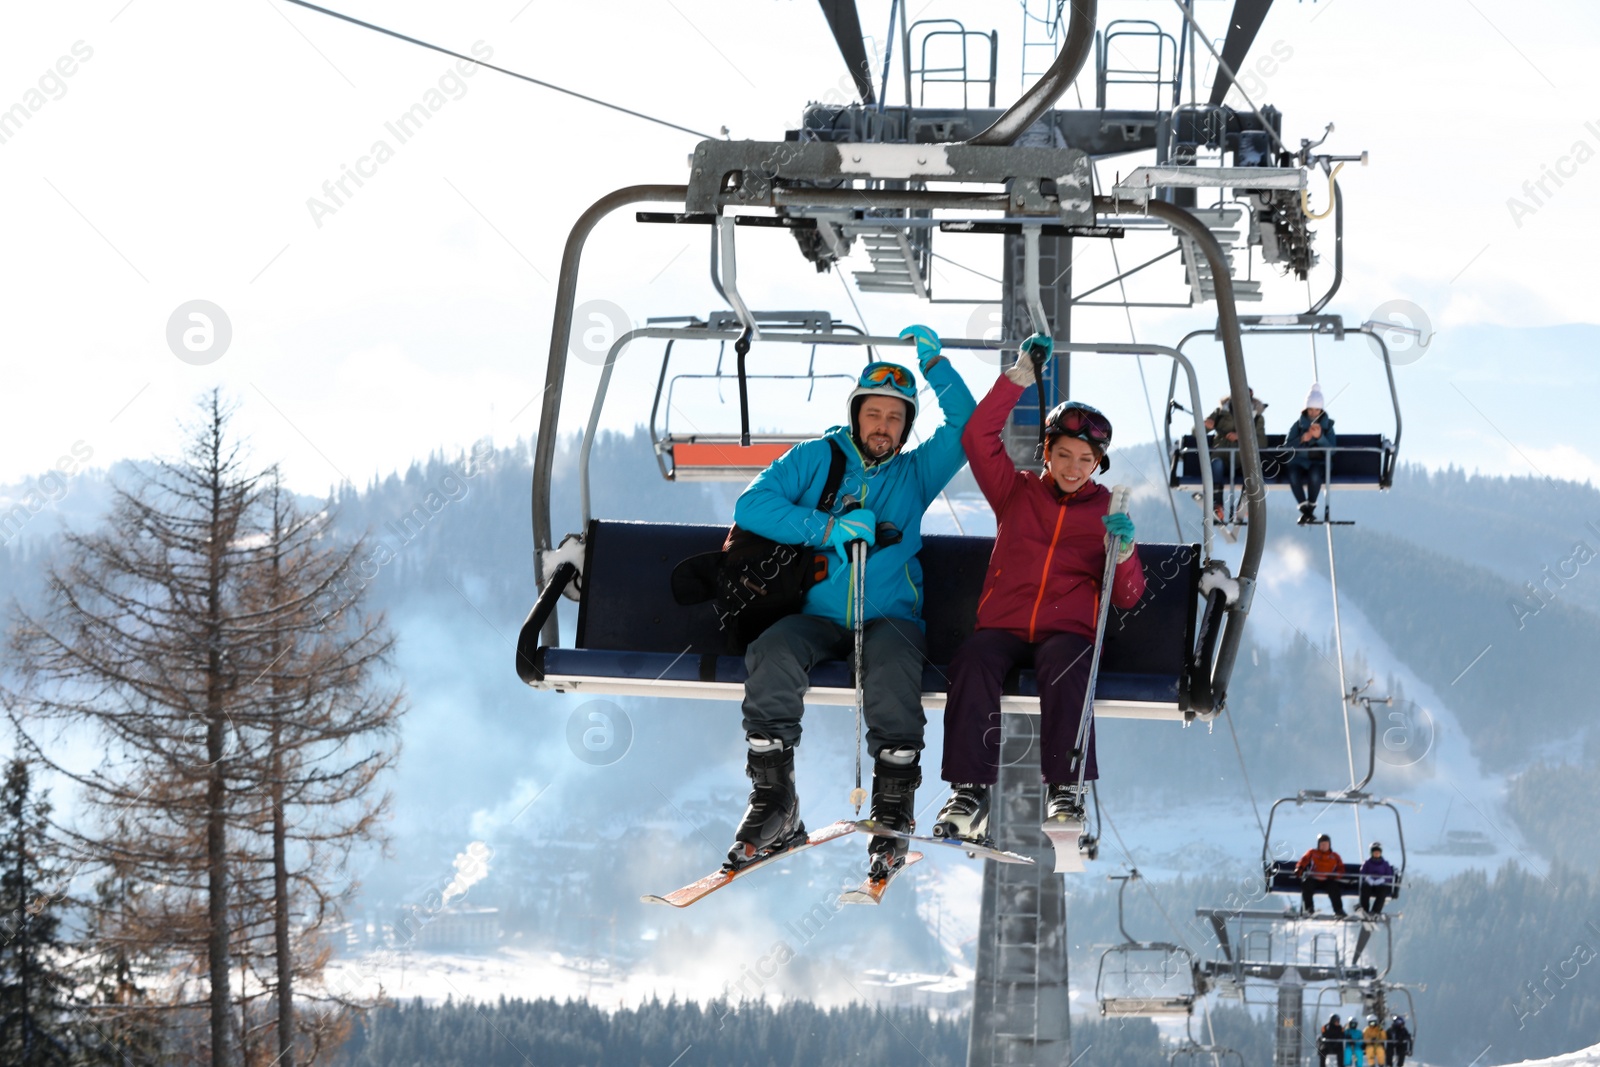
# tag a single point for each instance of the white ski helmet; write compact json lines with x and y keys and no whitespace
{"x":885,"y":379}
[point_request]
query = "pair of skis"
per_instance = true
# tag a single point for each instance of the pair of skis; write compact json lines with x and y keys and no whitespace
{"x":870,"y":891}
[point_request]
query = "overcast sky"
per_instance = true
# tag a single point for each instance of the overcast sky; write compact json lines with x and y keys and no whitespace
{"x":168,"y":151}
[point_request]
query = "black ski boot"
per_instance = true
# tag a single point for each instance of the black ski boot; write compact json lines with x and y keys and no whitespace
{"x":1064,"y":803}
{"x":895,"y":777}
{"x":965,"y":815}
{"x":771,"y":822}
{"x":1308,"y":514}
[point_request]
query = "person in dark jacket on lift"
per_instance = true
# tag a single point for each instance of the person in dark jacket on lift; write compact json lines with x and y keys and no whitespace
{"x":1039,"y":601}
{"x":1224,"y":429}
{"x":1399,"y":1042}
{"x":1331,"y":1043}
{"x":1311,"y":433}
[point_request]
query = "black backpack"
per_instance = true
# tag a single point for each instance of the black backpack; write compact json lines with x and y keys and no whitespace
{"x":754,"y":581}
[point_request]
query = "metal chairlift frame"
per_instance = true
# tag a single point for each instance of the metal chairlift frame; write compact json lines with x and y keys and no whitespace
{"x":1309,"y":324}
{"x":1144,"y":1006}
{"x":961,"y":33}
{"x":665,"y":443}
{"x":1365,"y":990}
{"x":1352,"y":796}
{"x":1192,"y":1049}
{"x":1104,"y":71}
{"x":730,"y":174}
{"x":1239,"y":968}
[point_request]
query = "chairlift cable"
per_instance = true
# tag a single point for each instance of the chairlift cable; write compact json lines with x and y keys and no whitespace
{"x":1100,"y":810}
{"x":1344,"y":692}
{"x":478,"y":62}
{"x":1244,"y":771}
{"x":969,"y":270}
{"x":888,"y":57}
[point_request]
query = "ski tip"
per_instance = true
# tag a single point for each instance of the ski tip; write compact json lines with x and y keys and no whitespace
{"x":651,"y":898}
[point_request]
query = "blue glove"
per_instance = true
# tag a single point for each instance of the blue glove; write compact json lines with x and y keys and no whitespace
{"x":1118,"y":524}
{"x":858,"y":525}
{"x":928,"y":346}
{"x":1040,"y":345}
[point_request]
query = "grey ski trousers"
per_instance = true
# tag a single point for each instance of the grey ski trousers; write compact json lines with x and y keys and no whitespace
{"x":779,"y":662}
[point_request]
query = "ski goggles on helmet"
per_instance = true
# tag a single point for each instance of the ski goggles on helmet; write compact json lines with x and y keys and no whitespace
{"x":1080,"y":420}
{"x":877,"y":375}
{"x":1083,"y":422}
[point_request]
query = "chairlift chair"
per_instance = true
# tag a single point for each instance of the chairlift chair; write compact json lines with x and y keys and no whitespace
{"x":1359,"y":461}
{"x":1168,"y":658}
{"x":1145,"y":979}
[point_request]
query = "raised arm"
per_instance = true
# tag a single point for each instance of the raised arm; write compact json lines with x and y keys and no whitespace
{"x":939,"y":455}
{"x":986,"y":450}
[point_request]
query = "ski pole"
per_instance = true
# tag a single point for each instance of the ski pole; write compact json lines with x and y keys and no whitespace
{"x":858,"y":582}
{"x":1119,"y":502}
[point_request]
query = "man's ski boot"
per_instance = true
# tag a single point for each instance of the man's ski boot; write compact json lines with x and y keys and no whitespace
{"x":771,"y":822}
{"x":965,"y":816}
{"x":1064,"y":803}
{"x":895,"y":777}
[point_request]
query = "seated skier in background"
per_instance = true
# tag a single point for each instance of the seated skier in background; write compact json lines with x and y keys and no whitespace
{"x":1321,"y":868}
{"x":1331,"y":1042}
{"x":1399,"y":1042}
{"x":1311,"y":433}
{"x":1224,"y":430}
{"x":1353,"y":1049}
{"x":888,"y":486}
{"x":1377,"y":882}
{"x":1377,"y":1039}
{"x":1039,"y":598}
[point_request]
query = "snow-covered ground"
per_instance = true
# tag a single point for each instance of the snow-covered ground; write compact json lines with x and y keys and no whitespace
{"x":1584,"y":1057}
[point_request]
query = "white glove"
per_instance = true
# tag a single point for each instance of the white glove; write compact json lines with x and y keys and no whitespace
{"x":1021,"y":372}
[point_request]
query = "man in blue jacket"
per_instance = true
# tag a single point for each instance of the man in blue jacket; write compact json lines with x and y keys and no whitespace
{"x":885,"y":485}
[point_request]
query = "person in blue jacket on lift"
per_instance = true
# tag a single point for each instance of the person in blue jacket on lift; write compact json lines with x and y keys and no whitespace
{"x":886,"y":485}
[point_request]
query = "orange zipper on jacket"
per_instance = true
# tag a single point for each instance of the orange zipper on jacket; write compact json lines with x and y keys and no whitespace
{"x":1044,"y":575}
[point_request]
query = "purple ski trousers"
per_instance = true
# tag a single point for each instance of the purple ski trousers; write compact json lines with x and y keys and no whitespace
{"x":972,"y":711}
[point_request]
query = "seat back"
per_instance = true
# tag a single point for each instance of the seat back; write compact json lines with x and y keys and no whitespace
{"x":627,"y":605}
{"x":1360,"y":460}
{"x":1282,"y":878}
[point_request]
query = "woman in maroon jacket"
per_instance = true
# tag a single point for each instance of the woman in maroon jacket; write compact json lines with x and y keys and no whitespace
{"x":1040,"y":599}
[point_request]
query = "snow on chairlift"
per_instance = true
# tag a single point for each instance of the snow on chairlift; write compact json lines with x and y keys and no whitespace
{"x":1359,"y":461}
{"x":1145,"y":979}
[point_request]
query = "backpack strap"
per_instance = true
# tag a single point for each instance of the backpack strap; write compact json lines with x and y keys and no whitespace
{"x":830,"y":488}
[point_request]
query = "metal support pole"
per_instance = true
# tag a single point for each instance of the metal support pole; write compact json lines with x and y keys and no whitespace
{"x":1020,"y":1010}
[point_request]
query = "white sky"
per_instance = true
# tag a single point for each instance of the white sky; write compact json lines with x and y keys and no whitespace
{"x":178,"y":160}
